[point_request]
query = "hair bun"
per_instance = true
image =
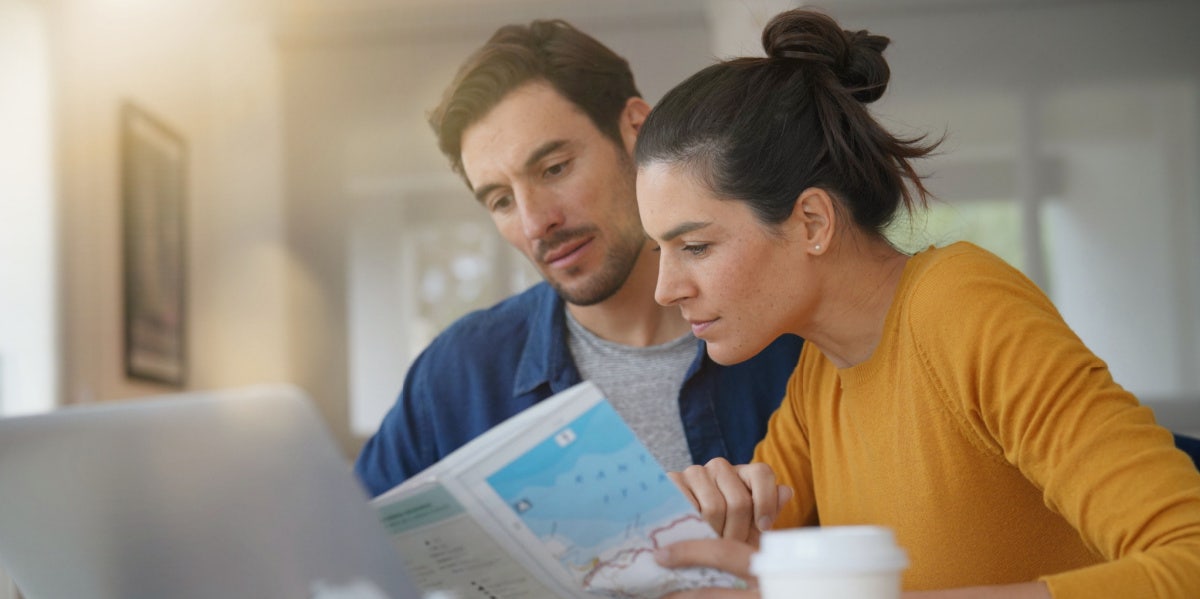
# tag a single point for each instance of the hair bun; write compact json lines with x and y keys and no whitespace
{"x":854,"y":57}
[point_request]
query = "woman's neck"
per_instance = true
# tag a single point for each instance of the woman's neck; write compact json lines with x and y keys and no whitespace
{"x":860,"y":283}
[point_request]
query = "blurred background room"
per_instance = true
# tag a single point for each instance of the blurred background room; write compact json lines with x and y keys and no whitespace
{"x":321,"y":239}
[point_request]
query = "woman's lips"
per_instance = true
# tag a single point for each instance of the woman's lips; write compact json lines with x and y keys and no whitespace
{"x":699,"y":326}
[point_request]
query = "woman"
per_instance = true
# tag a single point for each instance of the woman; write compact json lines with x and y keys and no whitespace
{"x":940,"y":394}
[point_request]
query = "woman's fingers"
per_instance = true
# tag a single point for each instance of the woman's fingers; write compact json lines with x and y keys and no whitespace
{"x":724,"y":554}
{"x":768,"y":496}
{"x":708,"y":497}
{"x":737,"y":501}
{"x":728,"y":555}
{"x":722,"y":497}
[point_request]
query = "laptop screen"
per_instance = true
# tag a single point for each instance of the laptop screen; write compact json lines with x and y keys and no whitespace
{"x":237,"y":493}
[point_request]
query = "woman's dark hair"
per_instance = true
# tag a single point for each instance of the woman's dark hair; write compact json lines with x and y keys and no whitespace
{"x":576,"y":65}
{"x":762,"y":130}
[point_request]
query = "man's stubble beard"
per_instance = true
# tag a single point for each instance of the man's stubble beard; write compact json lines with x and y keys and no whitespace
{"x":618,"y":263}
{"x":621,"y":257}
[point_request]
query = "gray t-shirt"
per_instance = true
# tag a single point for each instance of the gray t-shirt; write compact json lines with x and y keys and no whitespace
{"x":642,"y":384}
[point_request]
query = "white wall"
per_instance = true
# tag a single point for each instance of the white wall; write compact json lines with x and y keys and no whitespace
{"x":28,"y":298}
{"x":208,"y":70}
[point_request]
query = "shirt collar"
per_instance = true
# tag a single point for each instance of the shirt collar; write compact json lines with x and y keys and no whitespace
{"x":546,"y":359}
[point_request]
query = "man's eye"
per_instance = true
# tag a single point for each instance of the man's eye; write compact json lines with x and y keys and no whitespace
{"x":556,"y":169}
{"x":500,"y":203}
{"x":696,"y":249}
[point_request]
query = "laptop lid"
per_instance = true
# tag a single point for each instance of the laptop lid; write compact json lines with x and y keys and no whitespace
{"x":237,"y":493}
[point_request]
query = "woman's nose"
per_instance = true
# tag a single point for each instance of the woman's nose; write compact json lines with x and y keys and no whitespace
{"x":672,"y":286}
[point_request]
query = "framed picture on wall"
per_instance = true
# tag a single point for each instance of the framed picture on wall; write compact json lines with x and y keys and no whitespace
{"x":153,"y":238}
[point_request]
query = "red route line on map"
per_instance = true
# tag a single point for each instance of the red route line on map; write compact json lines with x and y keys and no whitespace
{"x":587,"y":579}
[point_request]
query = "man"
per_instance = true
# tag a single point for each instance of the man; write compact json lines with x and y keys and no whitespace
{"x":541,"y":122}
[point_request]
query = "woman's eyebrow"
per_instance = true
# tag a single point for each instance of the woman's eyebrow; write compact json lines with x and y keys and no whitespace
{"x":685,"y":227}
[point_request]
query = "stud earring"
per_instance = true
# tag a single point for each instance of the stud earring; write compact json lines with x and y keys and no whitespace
{"x":817,"y":248}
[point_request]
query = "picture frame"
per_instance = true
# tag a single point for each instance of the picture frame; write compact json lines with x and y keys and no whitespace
{"x":153,"y":161}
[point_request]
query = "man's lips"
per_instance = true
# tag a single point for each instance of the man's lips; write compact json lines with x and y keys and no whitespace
{"x":564,"y":251}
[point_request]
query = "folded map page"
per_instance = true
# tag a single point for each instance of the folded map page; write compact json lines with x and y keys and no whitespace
{"x":561,"y":500}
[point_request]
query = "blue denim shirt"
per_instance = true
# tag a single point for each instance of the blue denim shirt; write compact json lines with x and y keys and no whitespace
{"x":493,"y":363}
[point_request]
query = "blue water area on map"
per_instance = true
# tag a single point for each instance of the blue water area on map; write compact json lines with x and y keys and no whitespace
{"x":590,"y":485}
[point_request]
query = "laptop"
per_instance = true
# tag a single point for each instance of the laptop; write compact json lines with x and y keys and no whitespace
{"x":238,"y":493}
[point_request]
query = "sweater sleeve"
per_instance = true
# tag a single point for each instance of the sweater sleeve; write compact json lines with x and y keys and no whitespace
{"x":1034,"y":395}
{"x":786,"y":449}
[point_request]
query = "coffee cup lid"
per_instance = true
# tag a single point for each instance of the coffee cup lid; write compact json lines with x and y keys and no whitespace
{"x":828,"y":549}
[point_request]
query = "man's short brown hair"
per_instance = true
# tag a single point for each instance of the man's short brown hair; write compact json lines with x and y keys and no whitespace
{"x":576,"y":65}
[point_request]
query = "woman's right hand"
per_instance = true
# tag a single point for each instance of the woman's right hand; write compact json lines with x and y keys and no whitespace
{"x":739,"y":502}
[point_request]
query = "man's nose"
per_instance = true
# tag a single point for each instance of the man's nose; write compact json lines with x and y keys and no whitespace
{"x":540,"y":213}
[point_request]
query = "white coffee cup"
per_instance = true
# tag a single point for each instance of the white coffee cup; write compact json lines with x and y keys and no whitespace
{"x":830,"y":562}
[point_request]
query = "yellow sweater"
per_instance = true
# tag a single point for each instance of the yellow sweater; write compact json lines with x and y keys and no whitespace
{"x":993,"y":442}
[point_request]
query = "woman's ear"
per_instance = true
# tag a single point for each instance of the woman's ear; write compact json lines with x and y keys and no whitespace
{"x":815,"y":215}
{"x":635,"y":113}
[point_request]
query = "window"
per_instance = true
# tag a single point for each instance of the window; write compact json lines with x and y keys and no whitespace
{"x":421,"y":254}
{"x":28,"y":310}
{"x":1090,"y":190}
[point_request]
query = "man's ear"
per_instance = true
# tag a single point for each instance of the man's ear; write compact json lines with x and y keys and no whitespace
{"x":632,"y":117}
{"x":815,"y":214}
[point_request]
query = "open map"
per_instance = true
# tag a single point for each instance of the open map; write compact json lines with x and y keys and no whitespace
{"x":601,"y":504}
